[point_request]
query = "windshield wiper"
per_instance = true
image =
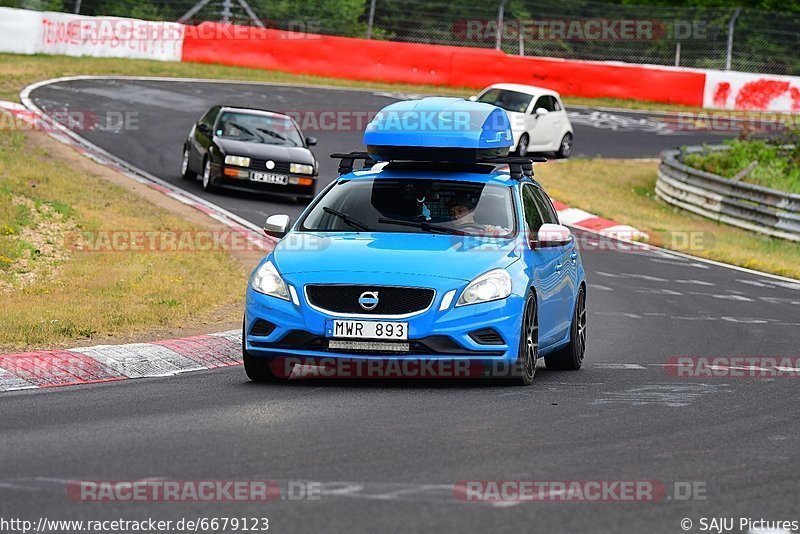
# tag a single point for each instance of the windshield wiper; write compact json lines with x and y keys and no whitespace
{"x":275,"y":135}
{"x":428,"y":227}
{"x":358,"y":225}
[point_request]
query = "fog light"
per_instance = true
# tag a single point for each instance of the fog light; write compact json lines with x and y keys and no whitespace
{"x":236,"y":173}
{"x":301,"y":181}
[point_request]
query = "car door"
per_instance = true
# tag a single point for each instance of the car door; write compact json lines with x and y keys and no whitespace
{"x":544,"y":124}
{"x":546,"y":268}
{"x":560,"y":121}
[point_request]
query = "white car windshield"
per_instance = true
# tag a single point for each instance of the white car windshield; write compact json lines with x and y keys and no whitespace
{"x":507,"y":100}
{"x":416,"y":205}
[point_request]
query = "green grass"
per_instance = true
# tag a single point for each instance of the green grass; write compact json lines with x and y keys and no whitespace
{"x":623,"y":190}
{"x":17,"y":71}
{"x":52,"y":294}
{"x":777,"y":168}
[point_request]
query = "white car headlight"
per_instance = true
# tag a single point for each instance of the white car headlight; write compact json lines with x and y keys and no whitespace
{"x":268,"y":281}
{"x":239,"y":161}
{"x":494,"y":285}
{"x":301,"y":168}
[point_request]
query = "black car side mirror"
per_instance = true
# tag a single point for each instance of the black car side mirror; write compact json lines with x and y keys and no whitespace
{"x":311,"y":141}
{"x":204,"y":128}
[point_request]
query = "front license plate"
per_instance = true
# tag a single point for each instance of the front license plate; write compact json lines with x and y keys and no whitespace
{"x":269,"y":178}
{"x":365,"y":329}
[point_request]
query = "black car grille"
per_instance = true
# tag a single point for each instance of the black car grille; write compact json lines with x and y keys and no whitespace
{"x":487,"y":336}
{"x":261,"y":165}
{"x":392,"y":300}
{"x":262,"y":328}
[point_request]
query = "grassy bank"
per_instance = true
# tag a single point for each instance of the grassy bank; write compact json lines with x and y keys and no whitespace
{"x":624,"y":191}
{"x":52,"y":293}
{"x":769,"y":163}
{"x":16,"y":71}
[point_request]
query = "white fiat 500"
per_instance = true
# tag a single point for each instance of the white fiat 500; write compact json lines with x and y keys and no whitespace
{"x":538,"y":118}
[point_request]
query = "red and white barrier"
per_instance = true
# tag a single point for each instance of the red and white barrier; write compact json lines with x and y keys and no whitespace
{"x":29,"y":32}
{"x":34,"y":32}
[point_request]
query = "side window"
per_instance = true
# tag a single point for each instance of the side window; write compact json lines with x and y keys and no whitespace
{"x":533,"y":215}
{"x":556,"y":104}
{"x":541,"y":102}
{"x":210,"y":118}
{"x":544,"y":205}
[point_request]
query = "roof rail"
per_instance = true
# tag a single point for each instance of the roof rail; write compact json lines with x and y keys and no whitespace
{"x":517,"y":166}
{"x":348,"y":159}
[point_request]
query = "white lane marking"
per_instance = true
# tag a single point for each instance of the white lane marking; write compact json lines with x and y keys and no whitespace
{"x":744,"y":320}
{"x":662,"y":291}
{"x":644,"y":277}
{"x":619,"y":314}
{"x":672,"y":395}
{"x":695,"y":282}
{"x":600,"y":287}
{"x":624,"y":366}
{"x":779,"y":300}
{"x":738,"y":298}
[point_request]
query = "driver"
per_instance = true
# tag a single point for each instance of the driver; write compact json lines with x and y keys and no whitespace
{"x":462,"y":212}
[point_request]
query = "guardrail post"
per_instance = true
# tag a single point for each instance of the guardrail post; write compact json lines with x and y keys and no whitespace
{"x":499,"y":36}
{"x":729,"y":54}
{"x":371,"y":19}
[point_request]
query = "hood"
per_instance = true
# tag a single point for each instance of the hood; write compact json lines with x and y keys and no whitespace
{"x":292,"y":154}
{"x":350,"y":255}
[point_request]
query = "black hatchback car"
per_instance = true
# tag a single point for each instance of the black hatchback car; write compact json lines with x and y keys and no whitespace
{"x":250,"y":150}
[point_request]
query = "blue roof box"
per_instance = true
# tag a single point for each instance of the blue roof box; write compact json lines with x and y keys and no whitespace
{"x":438,"y":129}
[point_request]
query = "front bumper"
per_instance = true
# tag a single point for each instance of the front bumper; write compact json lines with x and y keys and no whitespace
{"x":221,"y":180}
{"x":276,"y":328}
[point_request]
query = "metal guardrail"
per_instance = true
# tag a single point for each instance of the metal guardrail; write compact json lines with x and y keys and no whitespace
{"x":752,"y":207}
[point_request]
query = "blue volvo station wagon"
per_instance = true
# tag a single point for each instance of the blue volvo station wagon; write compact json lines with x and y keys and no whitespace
{"x":440,"y":249}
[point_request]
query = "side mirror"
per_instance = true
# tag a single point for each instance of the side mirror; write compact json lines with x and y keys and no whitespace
{"x":277,"y":225}
{"x":204,"y":128}
{"x":311,"y":141}
{"x":552,"y":235}
{"x":541,"y":111}
{"x":473,"y":98}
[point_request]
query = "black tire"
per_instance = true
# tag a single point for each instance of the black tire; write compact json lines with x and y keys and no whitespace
{"x":570,"y":358}
{"x":565,"y":148}
{"x":258,"y":369}
{"x":186,"y":172}
{"x":522,"y":146}
{"x":525,"y":368}
{"x":207,"y":184}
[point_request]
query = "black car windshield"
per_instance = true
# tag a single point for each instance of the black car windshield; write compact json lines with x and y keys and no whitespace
{"x":258,"y":128}
{"x":415,"y":205}
{"x":508,"y":100}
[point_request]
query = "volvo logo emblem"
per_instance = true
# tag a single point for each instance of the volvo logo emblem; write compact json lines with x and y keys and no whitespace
{"x":368,"y":300}
{"x":270,"y":164}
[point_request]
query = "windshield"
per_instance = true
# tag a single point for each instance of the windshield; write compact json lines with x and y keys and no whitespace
{"x":416,"y":205}
{"x":256,"y":128}
{"x":507,"y":100}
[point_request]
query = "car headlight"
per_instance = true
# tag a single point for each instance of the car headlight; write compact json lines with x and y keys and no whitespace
{"x":268,"y":281}
{"x":301,"y":168}
{"x":494,"y":285}
{"x":239,"y":161}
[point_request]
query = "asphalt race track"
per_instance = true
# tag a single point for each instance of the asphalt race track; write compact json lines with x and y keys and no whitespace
{"x":163,"y":114}
{"x":386,"y":454}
